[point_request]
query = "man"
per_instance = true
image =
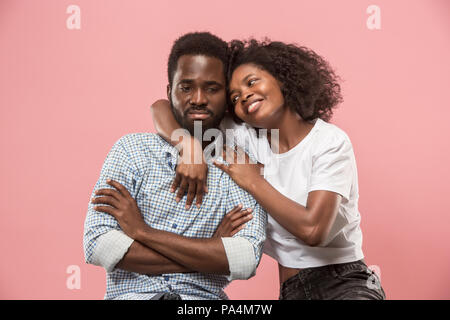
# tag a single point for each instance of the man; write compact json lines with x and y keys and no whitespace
{"x":152,"y":246}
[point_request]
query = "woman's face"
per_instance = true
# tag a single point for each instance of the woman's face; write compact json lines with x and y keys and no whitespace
{"x":256,"y":96}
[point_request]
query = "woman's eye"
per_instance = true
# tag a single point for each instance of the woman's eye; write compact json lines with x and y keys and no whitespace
{"x":251,"y":82}
{"x":234,"y":99}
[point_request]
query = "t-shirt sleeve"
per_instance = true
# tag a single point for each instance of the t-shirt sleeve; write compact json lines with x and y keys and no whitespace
{"x":332,"y":166}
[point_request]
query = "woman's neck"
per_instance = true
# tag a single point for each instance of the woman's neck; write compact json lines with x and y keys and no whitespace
{"x":292,"y":130}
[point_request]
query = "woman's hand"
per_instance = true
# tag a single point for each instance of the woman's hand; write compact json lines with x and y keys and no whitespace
{"x":246,"y":175}
{"x":191,"y":176}
{"x":233,"y":222}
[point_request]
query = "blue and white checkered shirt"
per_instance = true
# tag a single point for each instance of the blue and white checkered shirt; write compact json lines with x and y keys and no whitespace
{"x":145,"y":164}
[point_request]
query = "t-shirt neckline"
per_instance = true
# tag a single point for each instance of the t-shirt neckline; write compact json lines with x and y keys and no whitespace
{"x":298,"y":145}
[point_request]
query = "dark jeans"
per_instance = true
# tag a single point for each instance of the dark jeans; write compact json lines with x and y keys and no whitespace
{"x":347,"y":281}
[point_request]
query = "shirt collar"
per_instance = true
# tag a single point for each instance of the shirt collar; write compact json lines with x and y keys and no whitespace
{"x":170,"y":154}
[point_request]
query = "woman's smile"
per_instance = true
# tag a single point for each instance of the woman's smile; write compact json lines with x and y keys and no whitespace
{"x":253,"y":106}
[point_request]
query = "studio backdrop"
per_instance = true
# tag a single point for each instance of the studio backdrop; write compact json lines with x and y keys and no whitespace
{"x":76,"y":75}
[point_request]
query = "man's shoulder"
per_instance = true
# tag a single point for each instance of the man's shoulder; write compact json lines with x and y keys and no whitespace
{"x":141,"y":148}
{"x":140,"y":141}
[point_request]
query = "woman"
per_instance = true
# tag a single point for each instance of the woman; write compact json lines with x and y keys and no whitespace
{"x":310,"y":187}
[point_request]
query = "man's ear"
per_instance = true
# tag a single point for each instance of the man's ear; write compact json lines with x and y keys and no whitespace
{"x":168,"y":92}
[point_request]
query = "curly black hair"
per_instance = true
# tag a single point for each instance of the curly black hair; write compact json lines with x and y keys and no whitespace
{"x":308,"y":83}
{"x":197,"y":43}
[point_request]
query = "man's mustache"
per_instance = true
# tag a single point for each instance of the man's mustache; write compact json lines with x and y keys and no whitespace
{"x":199,"y":110}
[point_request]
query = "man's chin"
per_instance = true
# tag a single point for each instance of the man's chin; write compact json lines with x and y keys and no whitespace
{"x":202,"y":125}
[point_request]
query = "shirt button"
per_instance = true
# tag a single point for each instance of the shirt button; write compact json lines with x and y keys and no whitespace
{"x":170,"y":164}
{"x":174,"y":226}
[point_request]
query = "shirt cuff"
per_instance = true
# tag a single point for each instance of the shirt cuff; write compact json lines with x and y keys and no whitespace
{"x":110,"y":249}
{"x":241,"y":258}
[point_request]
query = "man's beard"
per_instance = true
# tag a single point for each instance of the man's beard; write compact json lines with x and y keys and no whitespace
{"x":212,"y":122}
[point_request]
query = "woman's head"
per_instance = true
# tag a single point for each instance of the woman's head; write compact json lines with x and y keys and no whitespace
{"x":267,"y":77}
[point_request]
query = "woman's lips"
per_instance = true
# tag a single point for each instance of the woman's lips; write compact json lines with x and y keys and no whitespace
{"x":254,"y":106}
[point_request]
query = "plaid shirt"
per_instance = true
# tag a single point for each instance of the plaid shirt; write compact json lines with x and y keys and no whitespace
{"x":145,"y":164}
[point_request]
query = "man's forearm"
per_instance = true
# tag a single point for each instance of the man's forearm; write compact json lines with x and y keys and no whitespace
{"x":202,"y":255}
{"x":144,"y":260}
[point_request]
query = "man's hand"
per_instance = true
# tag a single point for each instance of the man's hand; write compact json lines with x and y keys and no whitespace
{"x":233,"y":222}
{"x":122,"y":206}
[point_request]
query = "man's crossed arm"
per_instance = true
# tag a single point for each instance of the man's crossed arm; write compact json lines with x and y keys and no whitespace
{"x":156,"y":252}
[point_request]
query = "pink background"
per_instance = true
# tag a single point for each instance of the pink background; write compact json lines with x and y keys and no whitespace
{"x":67,"y":95}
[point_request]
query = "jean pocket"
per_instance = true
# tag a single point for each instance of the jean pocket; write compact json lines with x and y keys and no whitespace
{"x":363,"y":278}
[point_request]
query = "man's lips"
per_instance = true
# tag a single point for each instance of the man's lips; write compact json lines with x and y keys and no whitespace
{"x":198,"y":115}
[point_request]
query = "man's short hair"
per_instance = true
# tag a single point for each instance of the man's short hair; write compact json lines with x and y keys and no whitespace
{"x":197,"y":43}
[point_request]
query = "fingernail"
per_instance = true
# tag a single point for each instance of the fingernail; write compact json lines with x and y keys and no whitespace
{"x":108,"y":180}
{"x":187,"y":207}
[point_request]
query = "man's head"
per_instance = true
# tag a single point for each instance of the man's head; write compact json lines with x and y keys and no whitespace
{"x":197,"y":84}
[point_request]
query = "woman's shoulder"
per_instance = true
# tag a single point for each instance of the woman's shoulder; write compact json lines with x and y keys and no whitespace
{"x":229,"y":123}
{"x":229,"y":126}
{"x":330,"y":135}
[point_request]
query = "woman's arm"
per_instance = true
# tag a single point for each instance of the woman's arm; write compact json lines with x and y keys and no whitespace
{"x":190,"y":177}
{"x":164,"y":120}
{"x":310,"y":223}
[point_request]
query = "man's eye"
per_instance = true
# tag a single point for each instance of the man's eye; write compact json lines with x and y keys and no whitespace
{"x":185,"y":89}
{"x":213,"y":89}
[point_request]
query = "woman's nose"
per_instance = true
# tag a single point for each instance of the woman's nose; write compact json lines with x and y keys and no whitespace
{"x":246,"y":96}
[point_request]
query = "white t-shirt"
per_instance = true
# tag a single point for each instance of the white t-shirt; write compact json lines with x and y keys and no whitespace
{"x":323,"y":160}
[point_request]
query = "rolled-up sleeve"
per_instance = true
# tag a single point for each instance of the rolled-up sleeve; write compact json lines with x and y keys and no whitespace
{"x":103,"y":241}
{"x":244,"y":249}
{"x":110,"y":249}
{"x":241,"y":257}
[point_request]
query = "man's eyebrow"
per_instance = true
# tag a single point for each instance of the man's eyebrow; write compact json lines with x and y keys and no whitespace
{"x":214,"y":83}
{"x":188,"y":81}
{"x":208,"y":83}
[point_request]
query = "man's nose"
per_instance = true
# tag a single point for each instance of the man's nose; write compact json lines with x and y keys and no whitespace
{"x":199,"y":98}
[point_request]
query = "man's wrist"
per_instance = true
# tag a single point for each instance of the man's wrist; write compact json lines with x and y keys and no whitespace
{"x":140,"y":233}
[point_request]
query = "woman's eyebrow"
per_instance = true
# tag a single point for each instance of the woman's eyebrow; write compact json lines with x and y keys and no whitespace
{"x":243,"y":81}
{"x":247,"y":76}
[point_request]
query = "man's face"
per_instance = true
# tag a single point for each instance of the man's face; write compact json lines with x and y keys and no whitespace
{"x":198,"y":92}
